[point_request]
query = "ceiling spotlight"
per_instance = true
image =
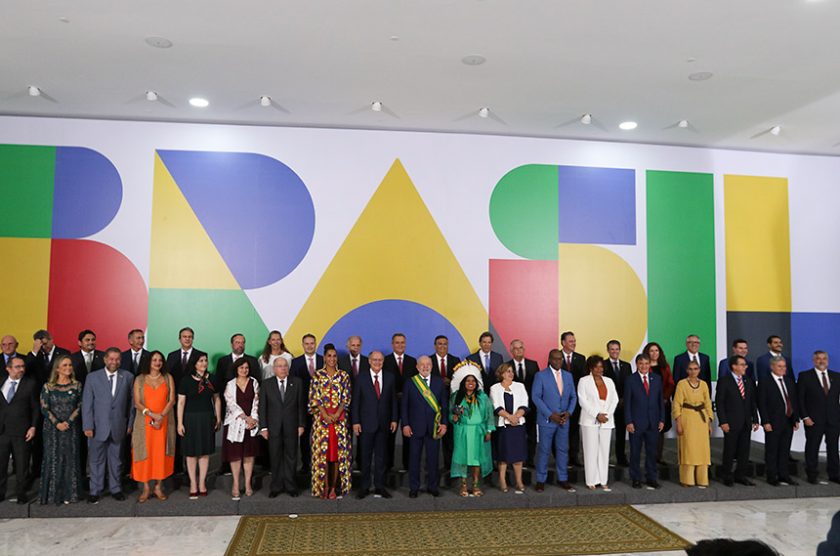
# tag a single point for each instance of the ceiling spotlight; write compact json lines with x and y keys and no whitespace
{"x":700,"y":76}
{"x":627,"y":126}
{"x":151,"y":96}
{"x":683,"y":124}
{"x":64,"y":19}
{"x":265,"y":101}
{"x":158,"y":42}
{"x":376,"y":106}
{"x":473,"y":60}
{"x":394,"y":38}
{"x":586,"y":119}
{"x":483,"y":112}
{"x":199,"y":102}
{"x":34,"y":91}
{"x":776,"y":129}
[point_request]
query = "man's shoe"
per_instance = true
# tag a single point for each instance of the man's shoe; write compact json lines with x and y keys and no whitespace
{"x":834,"y":480}
{"x":792,"y":483}
{"x":637,"y":484}
{"x":773,"y":482}
{"x":728,"y":482}
{"x":653,"y":484}
{"x":382,"y":492}
{"x":93,"y":499}
{"x":274,"y":493}
{"x":294,"y":493}
{"x":412,"y":494}
{"x":813,"y":480}
{"x":118,"y":496}
{"x":22,"y":500}
{"x":566,"y":485}
{"x":745,"y":482}
{"x":539,"y":487}
{"x":361,"y":495}
{"x":435,"y":493}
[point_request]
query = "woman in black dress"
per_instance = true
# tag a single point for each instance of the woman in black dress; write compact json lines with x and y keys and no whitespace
{"x":199,"y":417}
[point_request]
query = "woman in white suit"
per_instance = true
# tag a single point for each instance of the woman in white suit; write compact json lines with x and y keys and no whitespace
{"x":598,"y":398}
{"x":510,"y":404}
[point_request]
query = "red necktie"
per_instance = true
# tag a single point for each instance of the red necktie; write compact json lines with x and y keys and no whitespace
{"x":443,"y":367}
{"x":399,"y":363}
{"x":741,"y":387}
{"x":355,"y":367}
{"x":311,"y":366}
{"x":647,"y":386}
{"x":788,"y":406}
{"x":376,"y":385}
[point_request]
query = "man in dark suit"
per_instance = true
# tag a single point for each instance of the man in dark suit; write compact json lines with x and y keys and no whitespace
{"x":9,"y":345}
{"x":19,"y":417}
{"x":487,"y":359}
{"x":737,"y":409}
{"x":619,"y":371}
{"x":524,"y":371}
{"x":136,"y":355}
{"x":774,"y":347}
{"x":88,"y":358}
{"x":374,"y":415}
{"x":692,"y":353}
{"x":424,"y":422}
{"x":741,"y":348}
{"x":353,"y":362}
{"x":819,"y":405}
{"x":403,"y":367}
{"x":443,"y":364}
{"x":644,"y":411}
{"x":304,"y":367}
{"x":778,"y":406}
{"x":181,"y":363}
{"x":282,"y":410}
{"x":574,"y":363}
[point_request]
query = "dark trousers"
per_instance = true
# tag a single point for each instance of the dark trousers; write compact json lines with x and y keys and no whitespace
{"x":283,"y":454}
{"x":813,"y":437}
{"x":620,"y":435}
{"x":736,"y":446}
{"x":391,"y":453}
{"x":17,"y":446}
{"x":649,"y":438}
{"x":431,"y":446}
{"x":777,"y":452}
{"x":574,"y":437}
{"x":448,"y":442}
{"x":372,"y":452}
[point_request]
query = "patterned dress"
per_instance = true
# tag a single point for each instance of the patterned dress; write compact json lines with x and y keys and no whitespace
{"x":61,"y":468}
{"x":330,"y":392}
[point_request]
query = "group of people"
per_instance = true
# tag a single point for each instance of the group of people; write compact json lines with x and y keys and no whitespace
{"x":64,"y":416}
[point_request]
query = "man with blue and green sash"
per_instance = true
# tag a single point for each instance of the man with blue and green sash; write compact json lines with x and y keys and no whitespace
{"x":424,"y":423}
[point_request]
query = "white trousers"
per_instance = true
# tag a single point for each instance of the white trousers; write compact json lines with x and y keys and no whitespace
{"x":596,"y":454}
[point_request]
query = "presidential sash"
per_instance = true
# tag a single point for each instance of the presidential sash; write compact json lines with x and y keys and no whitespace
{"x":427,"y":394}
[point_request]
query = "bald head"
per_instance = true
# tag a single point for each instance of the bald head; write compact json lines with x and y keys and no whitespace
{"x":9,"y":345}
{"x":281,"y":367}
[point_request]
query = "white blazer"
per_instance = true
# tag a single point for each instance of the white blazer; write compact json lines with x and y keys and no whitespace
{"x":591,"y":404}
{"x":236,"y":427}
{"x":520,"y":399}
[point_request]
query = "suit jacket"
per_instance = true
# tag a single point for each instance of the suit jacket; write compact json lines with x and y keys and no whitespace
{"x":531,"y":370}
{"x":282,"y":416}
{"x":39,"y":369}
{"x":578,"y":368}
{"x":409,"y":369}
{"x":79,"y":367}
{"x":415,"y":410}
{"x":813,"y":403}
{"x":724,"y":370}
{"x":178,"y":371}
{"x":3,"y":360}
{"x":104,"y":414}
{"x":23,"y":412}
{"x":451,"y":361}
{"x":732,"y":409}
{"x":644,"y":411}
{"x":224,"y":368}
{"x":681,"y":362}
{"x":625,"y":371}
{"x":771,"y":403}
{"x":300,"y":369}
{"x":762,"y":366}
{"x":591,"y":403}
{"x":369,"y":411}
{"x":345,"y":365}
{"x":547,"y":398}
{"x":127,"y":361}
{"x":489,"y":378}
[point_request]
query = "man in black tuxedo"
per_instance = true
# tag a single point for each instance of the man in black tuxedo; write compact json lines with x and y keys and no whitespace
{"x":487,"y":359}
{"x":88,"y":358}
{"x":9,"y":345}
{"x":181,"y":363}
{"x":619,"y":371}
{"x":574,"y":363}
{"x":282,"y":410}
{"x":403,"y":367}
{"x":136,"y":355}
{"x":692,"y":353}
{"x":304,"y":367}
{"x":819,"y":405}
{"x":353,"y":362}
{"x":778,"y":406}
{"x":374,"y":415}
{"x":19,"y":417}
{"x":737,"y":409}
{"x":442,"y":364}
{"x":524,"y":371}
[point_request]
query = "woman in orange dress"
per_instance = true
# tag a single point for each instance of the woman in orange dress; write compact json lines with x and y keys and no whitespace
{"x":153,"y":441}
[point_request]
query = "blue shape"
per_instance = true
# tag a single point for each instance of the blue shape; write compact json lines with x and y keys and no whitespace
{"x":256,"y":210}
{"x":88,"y":192}
{"x":810,"y":332}
{"x":377,"y":321}
{"x":597,"y":205}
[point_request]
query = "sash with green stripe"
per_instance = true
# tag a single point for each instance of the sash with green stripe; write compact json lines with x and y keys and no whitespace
{"x":427,"y":394}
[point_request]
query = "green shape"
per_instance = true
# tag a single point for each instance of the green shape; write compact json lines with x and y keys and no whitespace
{"x":27,"y":182}
{"x":681,"y":261}
{"x":524,"y":213}
{"x":214,"y":315}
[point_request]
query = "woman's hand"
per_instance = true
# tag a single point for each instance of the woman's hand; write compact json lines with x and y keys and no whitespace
{"x":455,"y":418}
{"x":181,"y":429}
{"x":679,"y":429}
{"x":487,"y":437}
{"x":217,"y":425}
{"x":63,"y":426}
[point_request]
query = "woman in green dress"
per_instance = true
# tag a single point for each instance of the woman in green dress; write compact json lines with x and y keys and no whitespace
{"x":472,"y":414}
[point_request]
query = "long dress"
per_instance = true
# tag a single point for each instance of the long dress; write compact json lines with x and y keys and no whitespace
{"x":694,"y":443}
{"x":470,"y":448}
{"x":61,"y":468}
{"x":330,"y":442}
{"x":153,"y":450}
{"x":199,"y":417}
{"x":246,"y":402}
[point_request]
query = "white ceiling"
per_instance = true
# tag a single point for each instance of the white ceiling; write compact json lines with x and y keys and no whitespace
{"x":324,"y":61}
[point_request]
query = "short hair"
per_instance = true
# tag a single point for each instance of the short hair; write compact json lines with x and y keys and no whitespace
{"x":235,"y":335}
{"x":441,"y":337}
{"x":501,"y":370}
{"x":739,"y":341}
{"x":516,"y":340}
{"x":276,"y":361}
{"x":424,"y":358}
{"x":134,"y":331}
{"x":734,"y":359}
{"x":356,"y":336}
{"x":85,"y":332}
{"x":113,"y":349}
{"x":730,"y":547}
{"x":642,"y":357}
{"x":613,"y":342}
{"x":12,"y":358}
{"x":42,"y":335}
{"x":771,"y":337}
{"x":486,"y":334}
{"x":565,"y":335}
{"x":592,"y":361}
{"x":376,"y":351}
{"x":308,"y":335}
{"x":396,"y":335}
{"x":692,"y":336}
{"x":186,"y":329}
{"x":775,"y":359}
{"x":820,"y":352}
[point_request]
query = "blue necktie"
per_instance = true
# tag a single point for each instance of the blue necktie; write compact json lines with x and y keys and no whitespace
{"x":487,"y":362}
{"x":11,"y":393}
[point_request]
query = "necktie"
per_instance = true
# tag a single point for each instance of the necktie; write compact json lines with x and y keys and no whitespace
{"x":519,"y":371}
{"x":282,"y":390}
{"x":558,"y":378}
{"x":569,"y":363}
{"x":426,"y":380}
{"x":311,"y":366}
{"x":788,"y":407}
{"x":443,"y":367}
{"x":376,"y":385}
{"x":647,"y":386}
{"x":615,"y":368}
{"x":694,"y":358}
{"x":11,"y":393}
{"x":355,"y":366}
{"x":487,"y":363}
{"x":135,"y":364}
{"x":399,"y":363}
{"x":825,"y":382}
{"x":184,"y":360}
{"x":88,"y":362}
{"x":741,"y":387}
{"x":111,"y":381}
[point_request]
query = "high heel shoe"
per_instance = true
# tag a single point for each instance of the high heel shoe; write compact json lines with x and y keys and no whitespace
{"x":143,"y":497}
{"x":160,"y":495}
{"x":464,"y":492}
{"x":332,"y":494}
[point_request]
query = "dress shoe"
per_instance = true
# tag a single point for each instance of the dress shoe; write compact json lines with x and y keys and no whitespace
{"x":773,"y":482}
{"x":637,"y":484}
{"x":728,"y":482}
{"x":93,"y":499}
{"x":813,"y":480}
{"x":539,"y":487}
{"x":792,"y":459}
{"x":435,"y":493}
{"x":382,"y":492}
{"x":792,"y":483}
{"x":412,"y":494}
{"x":22,"y":500}
{"x":745,"y":482}
{"x":653,"y":484}
{"x":294,"y":493}
{"x":274,"y":493}
{"x":361,"y":495}
{"x":834,"y":480}
{"x":118,"y":496}
{"x":566,"y":485}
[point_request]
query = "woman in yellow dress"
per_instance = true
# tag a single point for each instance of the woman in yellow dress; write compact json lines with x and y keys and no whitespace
{"x":692,"y":413}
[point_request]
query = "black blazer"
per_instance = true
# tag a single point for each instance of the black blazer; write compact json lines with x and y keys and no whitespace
{"x":578,"y":369}
{"x":40,"y":370}
{"x":224,"y":368}
{"x":681,"y":362}
{"x":300,"y":369}
{"x":282,"y":417}
{"x":3,"y":374}
{"x":79,"y":367}
{"x":409,"y":369}
{"x":127,"y":361}
{"x":173,"y":365}
{"x":23,"y":412}
{"x":813,"y":403}
{"x":732,"y":409}
{"x":451,"y":361}
{"x":531,"y":370}
{"x":771,"y":404}
{"x":372,"y":413}
{"x":344,"y":365}
{"x":624,"y":372}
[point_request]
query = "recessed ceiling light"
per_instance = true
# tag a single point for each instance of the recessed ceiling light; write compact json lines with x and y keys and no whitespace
{"x":33,"y":91}
{"x":394,"y":38}
{"x":199,"y":102}
{"x":627,"y":126}
{"x":151,"y":96}
{"x":265,"y":100}
{"x":473,"y":60}
{"x":700,"y":76}
{"x":158,"y":42}
{"x":376,"y":106}
{"x":683,"y":124}
{"x":64,"y":19}
{"x":776,"y":129}
{"x":483,"y":112}
{"x":586,"y":119}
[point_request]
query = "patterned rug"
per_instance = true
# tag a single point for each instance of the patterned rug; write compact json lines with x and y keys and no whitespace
{"x":531,"y":532}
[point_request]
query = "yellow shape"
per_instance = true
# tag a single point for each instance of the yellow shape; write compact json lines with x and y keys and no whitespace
{"x":25,"y":292}
{"x":600,"y":298}
{"x":757,"y":244}
{"x":394,"y":251}
{"x":183,"y":255}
